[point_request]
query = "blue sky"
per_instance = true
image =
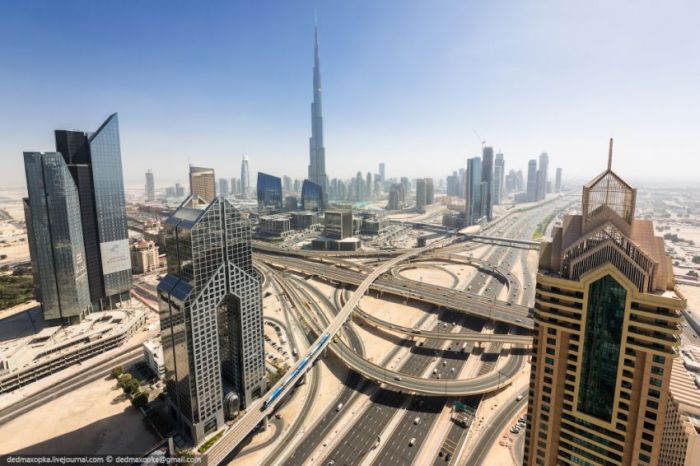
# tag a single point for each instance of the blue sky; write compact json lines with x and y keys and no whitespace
{"x":404,"y":82}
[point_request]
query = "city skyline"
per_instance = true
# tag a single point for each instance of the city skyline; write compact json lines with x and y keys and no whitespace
{"x":367,"y":123}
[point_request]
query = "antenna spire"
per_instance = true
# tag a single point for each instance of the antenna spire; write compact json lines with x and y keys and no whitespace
{"x":610,"y":154}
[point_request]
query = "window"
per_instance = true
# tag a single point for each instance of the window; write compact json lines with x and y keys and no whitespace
{"x":601,"y":348}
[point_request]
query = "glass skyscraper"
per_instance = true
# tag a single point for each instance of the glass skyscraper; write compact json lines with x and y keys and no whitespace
{"x":269,"y":194}
{"x":52,"y":214}
{"x":473,"y":207}
{"x":311,"y":196}
{"x":94,"y":189}
{"x":210,"y":314}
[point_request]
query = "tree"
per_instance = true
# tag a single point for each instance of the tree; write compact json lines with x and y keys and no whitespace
{"x":693,"y":273}
{"x":132,"y":387}
{"x":140,"y":399}
{"x":117,"y":371}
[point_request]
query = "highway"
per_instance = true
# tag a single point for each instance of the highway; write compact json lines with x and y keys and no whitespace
{"x":256,"y":413}
{"x":509,"y":313}
{"x":488,"y":438}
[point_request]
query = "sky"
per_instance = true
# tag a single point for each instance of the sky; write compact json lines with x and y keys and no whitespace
{"x":414,"y":84}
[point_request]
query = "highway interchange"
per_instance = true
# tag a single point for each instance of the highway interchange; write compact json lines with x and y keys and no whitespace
{"x":379,"y":432}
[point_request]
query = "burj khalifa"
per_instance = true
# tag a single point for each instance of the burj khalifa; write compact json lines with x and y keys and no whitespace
{"x":317,"y":153}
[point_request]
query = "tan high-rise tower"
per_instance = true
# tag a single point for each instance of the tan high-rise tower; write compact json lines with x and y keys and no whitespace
{"x":606,"y":332}
{"x":203,"y":183}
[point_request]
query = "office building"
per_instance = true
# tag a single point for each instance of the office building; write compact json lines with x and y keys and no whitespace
{"x":498,"y":178}
{"x":429,"y":191}
{"x":368,"y":186}
{"x":406,"y":184}
{"x":557,"y":181}
{"x":382,"y":172}
{"x":531,"y":180}
{"x":304,"y":219}
{"x":179,"y":190}
{"x":210,"y":314}
{"x":338,"y":224}
{"x":287,"y":184}
{"x":144,"y":256}
{"x":487,"y":163}
{"x":542,"y":176}
{"x":396,"y":197}
{"x":275,"y":225}
{"x":202,"y":183}
{"x":150,"y":186}
{"x":269,"y":194}
{"x":245,"y":178}
{"x":234,"y":187}
{"x":52,"y":214}
{"x":94,"y":162}
{"x":153,"y":356}
{"x":223,"y":187}
{"x":317,"y":152}
{"x":312,"y":196}
{"x":606,"y":334}
{"x":473,"y":206}
{"x":421,"y":188}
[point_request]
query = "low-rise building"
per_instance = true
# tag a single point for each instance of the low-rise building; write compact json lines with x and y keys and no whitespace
{"x":304,"y":220}
{"x":338,"y":224}
{"x":153,"y":355}
{"x":275,"y":225}
{"x":144,"y":256}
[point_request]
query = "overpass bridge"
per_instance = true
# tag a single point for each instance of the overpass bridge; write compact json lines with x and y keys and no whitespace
{"x":509,"y":313}
{"x":501,"y":241}
{"x":261,"y":408}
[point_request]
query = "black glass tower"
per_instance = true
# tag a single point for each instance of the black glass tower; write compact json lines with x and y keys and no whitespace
{"x":269,"y":194}
{"x":312,"y":196}
{"x":94,"y":161}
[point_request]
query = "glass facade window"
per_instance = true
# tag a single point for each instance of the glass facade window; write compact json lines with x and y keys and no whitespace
{"x":601,"y":348}
{"x":269,"y":194}
{"x":311,"y":196}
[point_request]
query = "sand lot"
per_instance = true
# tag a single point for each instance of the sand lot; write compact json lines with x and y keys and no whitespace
{"x":96,"y":419}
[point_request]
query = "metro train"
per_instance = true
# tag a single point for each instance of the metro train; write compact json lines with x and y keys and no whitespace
{"x":302,"y":365}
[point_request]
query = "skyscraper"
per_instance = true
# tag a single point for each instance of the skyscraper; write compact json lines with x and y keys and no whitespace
{"x":498,"y":178}
{"x":52,"y":214}
{"x":287,"y":184}
{"x":94,"y":162}
{"x":150,"y":186}
{"x":487,"y":177}
{"x":557,"y":181}
{"x":606,"y":333}
{"x":317,"y":153}
{"x":421,"y":194}
{"x":473,"y":208}
{"x":382,"y":172}
{"x":368,"y":186}
{"x":542,"y":176}
{"x":203,"y":183}
{"x":531,"y":180}
{"x":210,"y":314}
{"x":245,"y":178}
{"x":312,"y":196}
{"x":429,"y":191}
{"x":223,"y":187}
{"x":269,"y":194}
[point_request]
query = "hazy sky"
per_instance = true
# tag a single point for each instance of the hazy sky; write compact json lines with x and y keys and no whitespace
{"x":404,"y":82}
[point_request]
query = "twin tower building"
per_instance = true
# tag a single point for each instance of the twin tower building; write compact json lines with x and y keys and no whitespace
{"x":210,"y":301}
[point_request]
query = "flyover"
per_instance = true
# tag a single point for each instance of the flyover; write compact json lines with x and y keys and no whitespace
{"x":506,"y":312}
{"x":258,"y":411}
{"x":501,"y":241}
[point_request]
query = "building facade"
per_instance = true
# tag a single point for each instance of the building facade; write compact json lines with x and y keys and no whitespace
{"x":542,"y":176}
{"x":203,"y":183}
{"x":338,"y":224}
{"x":245,"y":178}
{"x":312,"y":196}
{"x":557,"y":181}
{"x":473,"y":207}
{"x":606,"y":333}
{"x":144,"y":257}
{"x":150,"y":186}
{"x":94,"y":162}
{"x":487,"y":178}
{"x":531,"y":188}
{"x":55,"y":236}
{"x":210,"y":314}
{"x":421,"y":194}
{"x":269,"y":194}
{"x":498,"y":178}
{"x":317,"y":152}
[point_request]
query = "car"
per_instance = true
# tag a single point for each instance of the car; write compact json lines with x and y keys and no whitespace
{"x":416,"y":421}
{"x":397,"y":377}
{"x":519,"y":397}
{"x":339,"y":407}
{"x":412,"y":442}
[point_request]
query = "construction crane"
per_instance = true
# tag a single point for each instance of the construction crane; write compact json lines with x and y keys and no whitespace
{"x":483,"y":141}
